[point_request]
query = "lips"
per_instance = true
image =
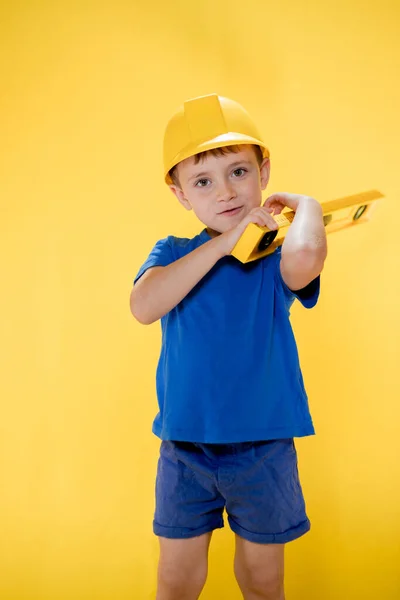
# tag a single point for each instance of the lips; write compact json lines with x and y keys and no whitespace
{"x":231,"y":211}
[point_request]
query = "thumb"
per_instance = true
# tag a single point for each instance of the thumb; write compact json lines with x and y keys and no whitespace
{"x":268,"y":206}
{"x":273,"y":205}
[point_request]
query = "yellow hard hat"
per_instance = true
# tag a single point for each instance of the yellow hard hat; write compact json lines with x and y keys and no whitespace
{"x":205,"y":123}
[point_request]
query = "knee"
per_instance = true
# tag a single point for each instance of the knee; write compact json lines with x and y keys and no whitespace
{"x":268,"y":587}
{"x":181,"y":581}
{"x":263,"y":583}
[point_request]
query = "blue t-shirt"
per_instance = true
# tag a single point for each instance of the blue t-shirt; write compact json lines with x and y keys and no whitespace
{"x":229,"y":368}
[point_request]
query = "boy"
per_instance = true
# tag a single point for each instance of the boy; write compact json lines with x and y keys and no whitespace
{"x":229,"y":385}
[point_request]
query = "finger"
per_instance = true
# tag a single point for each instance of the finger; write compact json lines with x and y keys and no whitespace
{"x":269,"y":219}
{"x":266,"y":220}
{"x":271,"y":224}
{"x":285,"y":199}
{"x":262,"y":217}
{"x":269,"y":205}
{"x":280,"y":196}
{"x":273,"y":207}
{"x":258,"y":219}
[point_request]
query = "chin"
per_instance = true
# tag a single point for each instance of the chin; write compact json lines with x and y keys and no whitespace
{"x":213,"y":232}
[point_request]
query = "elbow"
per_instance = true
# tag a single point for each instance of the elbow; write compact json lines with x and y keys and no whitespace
{"x":142,"y":319}
{"x":313,"y":261}
{"x":137,"y":310}
{"x":316,"y":251}
{"x":307,"y":264}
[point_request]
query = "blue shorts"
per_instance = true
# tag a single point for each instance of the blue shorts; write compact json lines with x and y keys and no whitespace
{"x":256,"y":482}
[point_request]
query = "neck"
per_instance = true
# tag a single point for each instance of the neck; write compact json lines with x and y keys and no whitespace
{"x":212,"y":233}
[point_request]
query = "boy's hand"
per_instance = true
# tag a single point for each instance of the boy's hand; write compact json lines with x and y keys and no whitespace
{"x":277,"y":202}
{"x":260,"y":215}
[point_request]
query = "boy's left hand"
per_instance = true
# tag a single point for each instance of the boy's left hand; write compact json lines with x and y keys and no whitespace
{"x":277,"y":202}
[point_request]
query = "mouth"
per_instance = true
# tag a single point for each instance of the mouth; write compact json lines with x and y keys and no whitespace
{"x":231,"y":211}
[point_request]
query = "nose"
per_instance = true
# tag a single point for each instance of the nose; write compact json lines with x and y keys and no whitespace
{"x":225,"y":192}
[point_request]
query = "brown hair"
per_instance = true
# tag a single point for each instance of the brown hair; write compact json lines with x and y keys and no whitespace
{"x":217,"y":152}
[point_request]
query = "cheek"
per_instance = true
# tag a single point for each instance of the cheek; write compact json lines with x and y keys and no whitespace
{"x":251,"y":189}
{"x":202,"y":201}
{"x":200,"y":206}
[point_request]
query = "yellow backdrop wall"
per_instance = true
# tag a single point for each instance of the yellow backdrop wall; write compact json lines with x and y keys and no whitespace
{"x":86,"y":89}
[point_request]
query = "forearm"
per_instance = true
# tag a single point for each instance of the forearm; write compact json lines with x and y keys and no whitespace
{"x":164,"y":288}
{"x":307,"y":232}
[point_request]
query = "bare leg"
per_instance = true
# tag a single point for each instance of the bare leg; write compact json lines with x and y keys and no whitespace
{"x":259,"y":570}
{"x":183,"y":566}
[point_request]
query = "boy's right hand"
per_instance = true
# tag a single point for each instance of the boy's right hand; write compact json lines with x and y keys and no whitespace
{"x":259,"y":215}
{"x":160,"y":289}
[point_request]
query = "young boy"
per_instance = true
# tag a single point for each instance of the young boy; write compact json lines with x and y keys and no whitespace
{"x":229,"y":384}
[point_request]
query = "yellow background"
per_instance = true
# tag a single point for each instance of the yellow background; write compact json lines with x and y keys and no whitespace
{"x":86,"y":89}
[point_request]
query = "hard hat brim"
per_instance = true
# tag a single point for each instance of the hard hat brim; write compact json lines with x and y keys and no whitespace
{"x":226,"y":139}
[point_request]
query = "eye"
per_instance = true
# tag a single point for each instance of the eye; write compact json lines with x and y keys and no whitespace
{"x":239,"y":172}
{"x":201,"y":183}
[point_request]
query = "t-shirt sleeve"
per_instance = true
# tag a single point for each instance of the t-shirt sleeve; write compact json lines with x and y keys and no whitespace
{"x":160,"y":256}
{"x":308,"y":296}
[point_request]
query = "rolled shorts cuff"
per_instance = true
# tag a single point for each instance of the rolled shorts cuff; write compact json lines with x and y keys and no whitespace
{"x":185,"y":532}
{"x":271,"y":538}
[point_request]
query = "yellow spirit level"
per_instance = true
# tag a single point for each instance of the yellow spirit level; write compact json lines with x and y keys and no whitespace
{"x":257,"y":241}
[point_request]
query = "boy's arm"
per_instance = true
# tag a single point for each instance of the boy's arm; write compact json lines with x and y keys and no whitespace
{"x":160,"y":289}
{"x":304,"y":249}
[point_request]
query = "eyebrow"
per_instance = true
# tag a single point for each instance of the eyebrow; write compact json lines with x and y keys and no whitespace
{"x":234,"y":164}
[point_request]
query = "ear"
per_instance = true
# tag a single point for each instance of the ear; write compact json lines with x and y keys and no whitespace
{"x":181,"y":196}
{"x":265,"y":169}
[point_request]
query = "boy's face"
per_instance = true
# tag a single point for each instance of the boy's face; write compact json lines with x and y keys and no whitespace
{"x":222,"y":189}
